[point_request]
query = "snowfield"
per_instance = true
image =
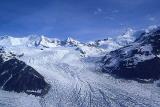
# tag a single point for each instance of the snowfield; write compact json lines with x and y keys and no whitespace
{"x":76,"y":82}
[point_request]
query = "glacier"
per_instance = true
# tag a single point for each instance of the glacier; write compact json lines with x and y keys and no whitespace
{"x":75,"y":77}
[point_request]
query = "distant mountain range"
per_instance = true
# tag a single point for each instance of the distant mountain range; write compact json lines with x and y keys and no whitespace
{"x":91,"y":47}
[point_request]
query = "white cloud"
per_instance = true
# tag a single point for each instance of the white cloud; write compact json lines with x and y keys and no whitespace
{"x":152,"y":18}
{"x":97,"y":11}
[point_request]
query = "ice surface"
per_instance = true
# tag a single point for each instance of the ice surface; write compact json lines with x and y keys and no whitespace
{"x":75,"y":82}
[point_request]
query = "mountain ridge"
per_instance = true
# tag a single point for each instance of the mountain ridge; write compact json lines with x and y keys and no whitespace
{"x":105,"y":45}
{"x":140,"y":59}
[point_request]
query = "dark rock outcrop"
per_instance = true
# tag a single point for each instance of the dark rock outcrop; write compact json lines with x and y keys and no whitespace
{"x":17,"y":76}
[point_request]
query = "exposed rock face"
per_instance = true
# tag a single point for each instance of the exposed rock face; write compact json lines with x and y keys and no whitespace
{"x":16,"y":76}
{"x":139,"y":60}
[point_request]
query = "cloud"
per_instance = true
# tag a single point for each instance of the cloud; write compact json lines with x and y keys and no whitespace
{"x":109,"y":18}
{"x":97,"y":11}
{"x":152,"y":18}
{"x":115,"y":11}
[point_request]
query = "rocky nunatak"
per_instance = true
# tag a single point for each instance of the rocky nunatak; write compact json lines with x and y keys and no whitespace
{"x":17,"y":76}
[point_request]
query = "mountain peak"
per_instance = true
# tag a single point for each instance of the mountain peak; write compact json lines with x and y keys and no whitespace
{"x":151,"y":28}
{"x":129,"y":32}
{"x":71,"y":42}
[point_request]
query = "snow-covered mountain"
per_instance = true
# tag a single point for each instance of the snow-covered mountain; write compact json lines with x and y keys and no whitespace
{"x":92,"y":48}
{"x":59,"y":74}
{"x":139,"y":60}
{"x":30,"y":41}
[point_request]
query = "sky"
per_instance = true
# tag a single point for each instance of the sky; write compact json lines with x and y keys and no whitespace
{"x":81,"y":19}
